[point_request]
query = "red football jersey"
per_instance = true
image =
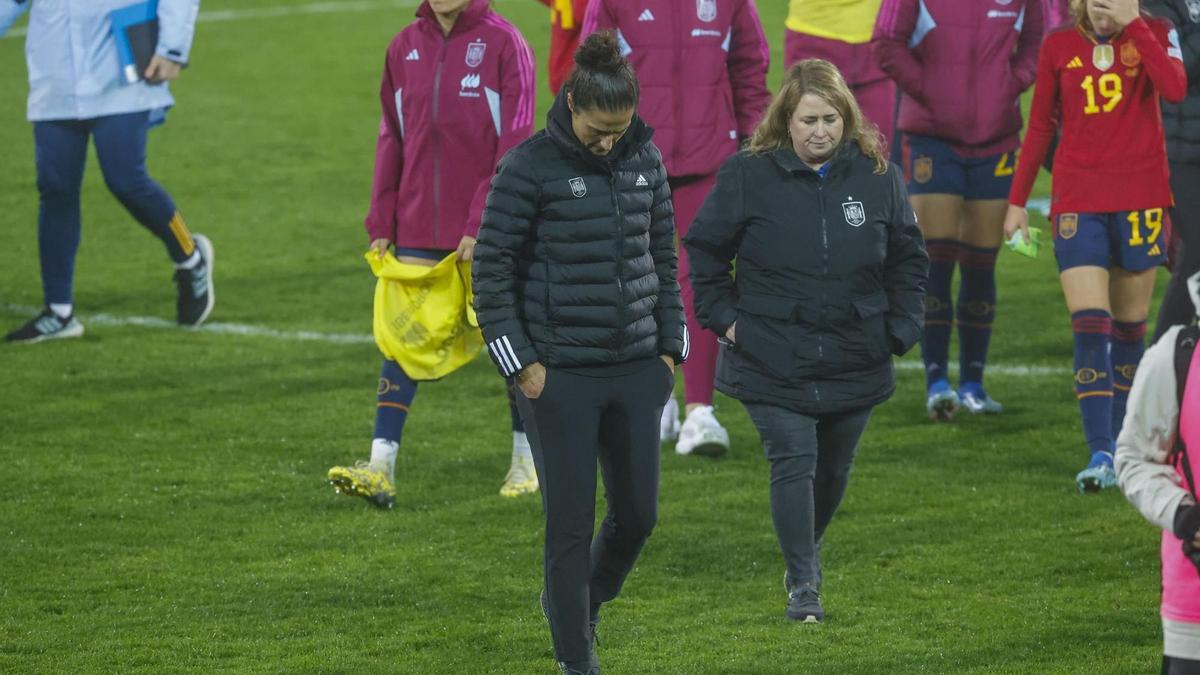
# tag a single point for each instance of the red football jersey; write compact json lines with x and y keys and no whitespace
{"x":1112,"y":156}
{"x":566,"y":20}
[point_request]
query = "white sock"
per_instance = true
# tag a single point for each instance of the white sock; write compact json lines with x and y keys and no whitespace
{"x":191,"y":262}
{"x":62,"y":309}
{"x":521,"y":449}
{"x":383,"y":456}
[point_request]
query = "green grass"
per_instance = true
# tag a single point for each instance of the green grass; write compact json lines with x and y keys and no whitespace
{"x":165,"y":506}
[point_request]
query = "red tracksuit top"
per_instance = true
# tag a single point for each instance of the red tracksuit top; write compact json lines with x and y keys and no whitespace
{"x":452,"y":106}
{"x":702,"y":67}
{"x":961,"y":65}
{"x":1112,"y":156}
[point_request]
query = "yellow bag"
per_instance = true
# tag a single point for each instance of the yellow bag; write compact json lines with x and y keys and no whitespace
{"x":423,"y":315}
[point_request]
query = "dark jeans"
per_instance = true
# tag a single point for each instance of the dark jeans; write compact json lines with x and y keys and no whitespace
{"x":1176,"y":305}
{"x":576,"y":421}
{"x":810,"y":460}
{"x":61,"y":151}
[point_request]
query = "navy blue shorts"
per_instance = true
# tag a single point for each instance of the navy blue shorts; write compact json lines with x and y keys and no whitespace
{"x":1130,"y":240}
{"x":933,"y":167}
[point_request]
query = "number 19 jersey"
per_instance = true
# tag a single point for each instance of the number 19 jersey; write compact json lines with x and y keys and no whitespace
{"x":1105,"y":94}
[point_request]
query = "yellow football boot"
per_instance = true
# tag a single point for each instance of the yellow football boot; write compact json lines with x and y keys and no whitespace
{"x":521,"y":479}
{"x":361,"y":480}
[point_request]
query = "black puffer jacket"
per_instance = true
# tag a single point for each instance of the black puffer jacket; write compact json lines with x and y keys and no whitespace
{"x":575,"y":262}
{"x":1181,"y":121}
{"x":830,"y":279}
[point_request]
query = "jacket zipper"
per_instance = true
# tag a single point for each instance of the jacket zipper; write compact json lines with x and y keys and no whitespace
{"x":437,"y":150}
{"x":825,"y":272}
{"x":619,"y":240}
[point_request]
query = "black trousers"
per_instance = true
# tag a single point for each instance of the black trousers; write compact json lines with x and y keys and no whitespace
{"x":576,"y":421}
{"x":1176,"y":305}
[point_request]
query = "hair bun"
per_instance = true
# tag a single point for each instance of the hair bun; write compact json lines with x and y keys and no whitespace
{"x":599,"y":52}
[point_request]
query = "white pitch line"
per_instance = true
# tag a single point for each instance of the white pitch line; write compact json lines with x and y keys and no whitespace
{"x":216,"y":327}
{"x":283,"y":10}
{"x":247,"y":330}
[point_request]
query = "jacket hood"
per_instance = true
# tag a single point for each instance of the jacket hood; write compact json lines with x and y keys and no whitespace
{"x":470,"y":15}
{"x":558,"y":126}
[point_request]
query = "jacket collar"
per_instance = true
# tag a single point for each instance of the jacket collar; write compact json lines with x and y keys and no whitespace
{"x":787,"y":159}
{"x":558,"y":126}
{"x":471,"y":15}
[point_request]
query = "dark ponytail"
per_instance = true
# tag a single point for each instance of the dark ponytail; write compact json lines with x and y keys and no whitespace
{"x":602,"y":78}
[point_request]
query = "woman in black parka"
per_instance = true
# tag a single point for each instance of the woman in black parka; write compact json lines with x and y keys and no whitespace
{"x":575,"y":289}
{"x":830,"y":284}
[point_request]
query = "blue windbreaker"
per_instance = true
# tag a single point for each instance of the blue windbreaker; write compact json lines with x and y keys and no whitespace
{"x":72,"y":56}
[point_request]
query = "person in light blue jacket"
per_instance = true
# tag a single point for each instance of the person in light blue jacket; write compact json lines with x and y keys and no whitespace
{"x":77,"y":90}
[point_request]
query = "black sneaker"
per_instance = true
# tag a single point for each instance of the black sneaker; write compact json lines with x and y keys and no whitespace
{"x":46,"y":326}
{"x":804,"y":602}
{"x":196,"y":297}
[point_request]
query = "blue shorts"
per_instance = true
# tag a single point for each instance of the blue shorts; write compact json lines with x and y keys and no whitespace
{"x":933,"y":167}
{"x":1131,"y":240}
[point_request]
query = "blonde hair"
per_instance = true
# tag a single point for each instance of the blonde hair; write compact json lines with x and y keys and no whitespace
{"x":1078,"y":10}
{"x":821,"y":79}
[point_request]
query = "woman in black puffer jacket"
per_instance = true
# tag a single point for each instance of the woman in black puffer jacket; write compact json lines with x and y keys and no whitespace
{"x":576,"y":294}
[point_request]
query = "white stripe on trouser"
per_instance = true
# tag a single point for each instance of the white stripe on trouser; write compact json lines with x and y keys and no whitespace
{"x":687,"y":344}
{"x":511,"y":354}
{"x":501,"y":359}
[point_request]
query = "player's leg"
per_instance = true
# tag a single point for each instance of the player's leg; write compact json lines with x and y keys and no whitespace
{"x":121,"y":150}
{"x":700,"y":433}
{"x":61,"y":151}
{"x":1082,"y":250}
{"x":375,"y":480}
{"x":521,"y":478}
{"x":1140,"y":240}
{"x":936,"y":182}
{"x":981,"y":233}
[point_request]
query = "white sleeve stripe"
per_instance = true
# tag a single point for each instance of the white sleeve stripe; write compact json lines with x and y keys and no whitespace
{"x":687,"y":344}
{"x":500,"y":357}
{"x":513,"y":355}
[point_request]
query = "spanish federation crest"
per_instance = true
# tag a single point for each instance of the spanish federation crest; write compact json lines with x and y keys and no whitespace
{"x":1102,"y":56}
{"x":923,"y":169}
{"x":578,"y":187}
{"x":1068,"y":224}
{"x":706,"y":10}
{"x":475,"y":52}
{"x":854,"y":212}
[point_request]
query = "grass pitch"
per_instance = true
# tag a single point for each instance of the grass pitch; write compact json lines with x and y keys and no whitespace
{"x":165,"y":506}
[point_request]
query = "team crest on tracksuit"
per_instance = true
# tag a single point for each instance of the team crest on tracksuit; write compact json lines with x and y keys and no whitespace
{"x":706,"y":10}
{"x":578,"y":187}
{"x":475,"y":52}
{"x":854,"y":212}
{"x":1193,"y":7}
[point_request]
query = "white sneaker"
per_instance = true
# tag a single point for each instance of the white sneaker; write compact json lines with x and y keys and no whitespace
{"x":668,"y":426}
{"x":521,"y":479}
{"x":702,"y":434}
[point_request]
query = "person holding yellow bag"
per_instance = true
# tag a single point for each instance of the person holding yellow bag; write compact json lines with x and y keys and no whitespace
{"x":457,"y":93}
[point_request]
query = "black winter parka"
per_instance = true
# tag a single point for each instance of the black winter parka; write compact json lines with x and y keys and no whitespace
{"x":575,"y":261}
{"x":1181,"y":121}
{"x":830,"y":279}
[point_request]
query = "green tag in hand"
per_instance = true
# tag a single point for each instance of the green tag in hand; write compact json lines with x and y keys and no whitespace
{"x":1026,"y":248}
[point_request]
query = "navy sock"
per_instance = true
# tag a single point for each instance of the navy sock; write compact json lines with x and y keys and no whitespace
{"x":1093,"y":376}
{"x":939,"y":308}
{"x":1128,"y":344}
{"x":517,"y":423}
{"x":396,"y":393}
{"x":976,"y":309}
